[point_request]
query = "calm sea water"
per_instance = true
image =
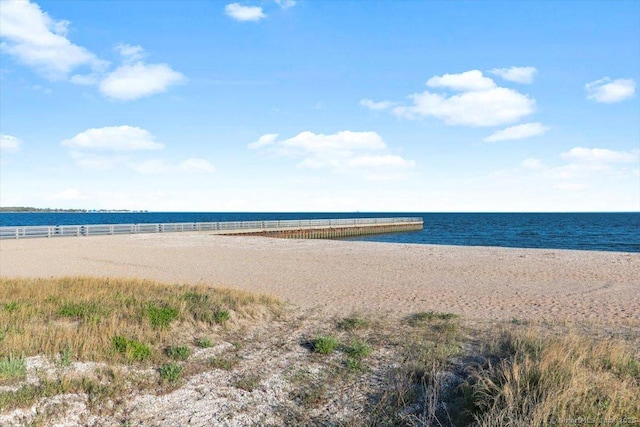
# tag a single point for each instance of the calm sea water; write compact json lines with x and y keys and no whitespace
{"x":585,"y":231}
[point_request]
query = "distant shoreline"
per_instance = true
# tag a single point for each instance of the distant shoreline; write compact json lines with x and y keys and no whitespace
{"x":21,"y":209}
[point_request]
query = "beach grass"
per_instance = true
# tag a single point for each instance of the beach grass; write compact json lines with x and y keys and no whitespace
{"x":102,"y":319}
{"x":427,"y":369}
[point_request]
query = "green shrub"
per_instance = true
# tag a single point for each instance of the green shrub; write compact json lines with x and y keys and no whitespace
{"x":325,"y":344}
{"x":12,"y":368}
{"x":131,"y":349}
{"x":87,"y":311}
{"x":196,"y":298}
{"x":10,"y":306}
{"x":178,"y":353}
{"x":170,"y":372}
{"x":66,"y":355}
{"x":358,"y":350}
{"x":354,"y":364}
{"x":161,"y":317}
{"x":221,"y":316}
{"x":225,"y":363}
{"x":427,"y":316}
{"x":204,"y":342}
{"x":353,"y":323}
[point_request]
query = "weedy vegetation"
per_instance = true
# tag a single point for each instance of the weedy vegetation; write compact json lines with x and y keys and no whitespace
{"x":427,"y":369}
{"x":325,"y":344}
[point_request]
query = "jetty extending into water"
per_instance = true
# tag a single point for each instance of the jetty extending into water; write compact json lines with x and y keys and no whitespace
{"x":292,"y":229}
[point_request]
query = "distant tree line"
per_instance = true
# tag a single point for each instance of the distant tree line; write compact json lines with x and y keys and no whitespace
{"x":31,"y":209}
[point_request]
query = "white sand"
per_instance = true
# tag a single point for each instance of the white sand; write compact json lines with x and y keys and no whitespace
{"x":342,"y":277}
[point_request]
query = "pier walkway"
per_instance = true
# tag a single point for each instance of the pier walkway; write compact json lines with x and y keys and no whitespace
{"x":293,"y":229}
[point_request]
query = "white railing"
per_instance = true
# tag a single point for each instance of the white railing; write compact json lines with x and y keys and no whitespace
{"x":220,"y":227}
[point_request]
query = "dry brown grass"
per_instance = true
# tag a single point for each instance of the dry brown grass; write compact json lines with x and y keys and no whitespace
{"x":430,"y":369}
{"x":82,"y":315}
{"x":541,"y":379}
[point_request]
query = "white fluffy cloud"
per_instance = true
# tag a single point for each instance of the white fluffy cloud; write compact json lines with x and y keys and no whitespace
{"x":9,"y":143}
{"x":264,"y":140}
{"x":344,"y":151}
{"x":522,"y":131}
{"x":377,"y":106}
{"x":468,"y":81}
{"x":516,"y":74}
{"x":129,"y":52}
{"x":492,"y":107}
{"x":35,"y":39}
{"x":31,"y":36}
{"x":609,"y":91}
{"x":114,"y":138}
{"x":101,"y":149}
{"x":244,"y":13}
{"x":480,"y":102}
{"x":138,"y":80}
{"x":601,"y":155}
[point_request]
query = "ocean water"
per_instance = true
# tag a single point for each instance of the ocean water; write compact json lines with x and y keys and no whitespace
{"x":584,"y":231}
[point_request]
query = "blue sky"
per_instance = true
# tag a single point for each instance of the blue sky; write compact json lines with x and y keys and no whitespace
{"x":314,"y":105}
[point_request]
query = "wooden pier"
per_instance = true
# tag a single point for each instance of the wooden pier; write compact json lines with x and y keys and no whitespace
{"x":292,"y":229}
{"x":331,"y":232}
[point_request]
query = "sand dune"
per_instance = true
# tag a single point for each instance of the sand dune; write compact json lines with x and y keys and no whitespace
{"x":346,"y":276}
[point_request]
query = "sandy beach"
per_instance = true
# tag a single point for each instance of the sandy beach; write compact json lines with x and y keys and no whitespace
{"x":342,"y":277}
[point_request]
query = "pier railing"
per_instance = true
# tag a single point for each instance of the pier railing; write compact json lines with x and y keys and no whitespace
{"x":231,"y":227}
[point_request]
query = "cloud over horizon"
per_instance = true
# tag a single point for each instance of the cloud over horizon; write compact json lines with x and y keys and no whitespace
{"x":344,"y":151}
{"x":101,"y":149}
{"x":479,"y":102}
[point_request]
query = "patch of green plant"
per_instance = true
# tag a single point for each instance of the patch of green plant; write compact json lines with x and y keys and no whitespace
{"x":10,"y":306}
{"x":161,"y":317}
{"x":196,"y":297}
{"x":421,"y":318}
{"x":87,"y":311}
{"x":220,"y":316}
{"x":178,"y":353}
{"x":518,"y":321}
{"x":353,"y":323}
{"x":209,"y":315}
{"x":204,"y":342}
{"x":12,"y":368}
{"x":131,"y":349}
{"x":170,"y":372}
{"x":354,"y":364}
{"x":225,"y":363}
{"x":445,"y":327}
{"x":247,"y":382}
{"x":626,"y":368}
{"x":325,"y":344}
{"x":358,"y":349}
{"x":66,"y":355}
